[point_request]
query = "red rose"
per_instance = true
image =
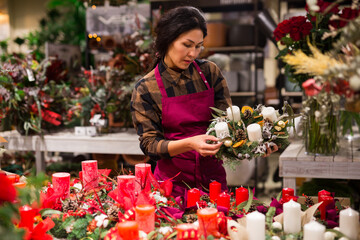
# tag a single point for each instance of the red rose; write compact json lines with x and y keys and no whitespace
{"x":347,"y":13}
{"x":282,"y":29}
{"x":300,"y":27}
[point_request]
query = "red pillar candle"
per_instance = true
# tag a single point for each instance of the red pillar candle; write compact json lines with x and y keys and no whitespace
{"x":207,"y":221}
{"x":224,"y":200}
{"x":27,"y":215}
{"x":186,"y":231}
{"x":242,"y":195}
{"x":126,"y":182}
{"x":61,"y":183}
{"x":214,"y":190}
{"x":193,"y":196}
{"x":326,"y":200}
{"x":90,"y":174}
{"x":287,"y":193}
{"x":128,"y":230}
{"x":14,"y":178}
{"x":142,"y":170}
{"x":323,"y":193}
{"x":145,"y":217}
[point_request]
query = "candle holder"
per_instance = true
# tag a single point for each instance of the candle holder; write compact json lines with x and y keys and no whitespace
{"x":207,"y":222}
{"x":145,"y":217}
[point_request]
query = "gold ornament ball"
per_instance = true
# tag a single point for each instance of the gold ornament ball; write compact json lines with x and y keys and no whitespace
{"x":228,"y":143}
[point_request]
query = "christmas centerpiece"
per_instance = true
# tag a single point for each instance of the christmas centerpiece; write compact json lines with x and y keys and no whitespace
{"x":94,"y":206}
{"x":250,"y":132}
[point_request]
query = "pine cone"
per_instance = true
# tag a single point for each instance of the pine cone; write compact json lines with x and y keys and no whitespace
{"x":205,"y":198}
{"x":309,"y":201}
{"x":247,"y":114}
{"x":240,"y":134}
{"x":190,"y":218}
{"x":252,"y":208}
{"x":113,"y":212}
{"x":268,"y":123}
{"x":68,"y":205}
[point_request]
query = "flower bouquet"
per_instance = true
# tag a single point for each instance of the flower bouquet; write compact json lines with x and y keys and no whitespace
{"x":250,"y":132}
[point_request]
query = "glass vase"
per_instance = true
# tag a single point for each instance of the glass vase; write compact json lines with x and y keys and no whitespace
{"x":321,"y":120}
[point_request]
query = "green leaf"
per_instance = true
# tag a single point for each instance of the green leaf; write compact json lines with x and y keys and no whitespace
{"x":249,"y":202}
{"x":218,"y":111}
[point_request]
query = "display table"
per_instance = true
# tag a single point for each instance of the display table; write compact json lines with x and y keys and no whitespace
{"x":294,"y":162}
{"x":126,"y":142}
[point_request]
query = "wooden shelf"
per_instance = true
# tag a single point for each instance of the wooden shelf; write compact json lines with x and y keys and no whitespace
{"x":234,"y":49}
{"x":285,"y":93}
{"x":242,"y":94}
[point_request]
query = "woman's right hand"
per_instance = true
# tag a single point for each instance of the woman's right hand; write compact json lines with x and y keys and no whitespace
{"x":200,"y":144}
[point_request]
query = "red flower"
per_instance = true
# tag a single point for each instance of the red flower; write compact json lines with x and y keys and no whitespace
{"x":298,"y":27}
{"x":310,"y":87}
{"x":7,"y":190}
{"x":347,"y":13}
{"x":39,"y":232}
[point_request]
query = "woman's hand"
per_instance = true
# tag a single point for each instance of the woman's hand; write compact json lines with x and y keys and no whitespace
{"x":199,"y":144}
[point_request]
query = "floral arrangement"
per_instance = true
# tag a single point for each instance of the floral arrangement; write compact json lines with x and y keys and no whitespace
{"x":32,"y":93}
{"x":97,"y":212}
{"x":107,"y":89}
{"x":317,"y":28}
{"x":239,"y":143}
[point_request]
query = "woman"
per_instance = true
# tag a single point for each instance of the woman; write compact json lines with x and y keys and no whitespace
{"x":171,"y":104}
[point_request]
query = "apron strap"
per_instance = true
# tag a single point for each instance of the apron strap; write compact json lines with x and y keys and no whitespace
{"x":161,"y":84}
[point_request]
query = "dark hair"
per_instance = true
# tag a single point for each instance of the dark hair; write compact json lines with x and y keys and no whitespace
{"x":174,"y":23}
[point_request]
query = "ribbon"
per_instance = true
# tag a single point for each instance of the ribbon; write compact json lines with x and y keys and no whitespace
{"x":48,"y":116}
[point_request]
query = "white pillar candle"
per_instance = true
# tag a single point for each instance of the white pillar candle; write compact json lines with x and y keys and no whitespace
{"x":269,"y":113}
{"x":314,"y":231}
{"x":292,"y":217}
{"x":349,"y":223}
{"x":233,"y":115}
{"x":254,"y":132}
{"x":255,"y":226}
{"x":222,"y":130}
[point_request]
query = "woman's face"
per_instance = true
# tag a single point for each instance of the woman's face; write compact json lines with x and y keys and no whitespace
{"x":184,"y":49}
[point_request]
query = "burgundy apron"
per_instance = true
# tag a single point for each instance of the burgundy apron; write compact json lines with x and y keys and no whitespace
{"x":182,"y":117}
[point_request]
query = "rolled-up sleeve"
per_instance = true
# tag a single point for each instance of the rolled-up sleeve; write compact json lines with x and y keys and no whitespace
{"x":146,"y":118}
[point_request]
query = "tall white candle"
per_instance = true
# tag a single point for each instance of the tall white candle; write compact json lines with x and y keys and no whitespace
{"x":349,"y":223}
{"x":254,"y":132}
{"x":233,"y":115}
{"x":292,"y":217}
{"x":314,"y":231}
{"x":269,"y":113}
{"x":222,"y":130}
{"x":255,"y":226}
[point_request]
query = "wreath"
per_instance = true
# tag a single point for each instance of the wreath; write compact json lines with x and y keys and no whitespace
{"x":250,"y":132}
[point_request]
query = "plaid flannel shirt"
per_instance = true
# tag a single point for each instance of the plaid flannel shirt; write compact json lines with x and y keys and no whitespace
{"x":146,"y":107}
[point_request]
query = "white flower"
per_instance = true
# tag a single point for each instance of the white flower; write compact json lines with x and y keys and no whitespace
{"x":157,"y":196}
{"x":275,"y":238}
{"x":102,"y":220}
{"x":142,"y":235}
{"x":354,"y":82}
{"x":317,"y":114}
{"x":139,"y":43}
{"x":312,"y":4}
{"x":78,"y":187}
{"x":135,"y":34}
{"x":70,"y":227}
{"x":165,"y":230}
